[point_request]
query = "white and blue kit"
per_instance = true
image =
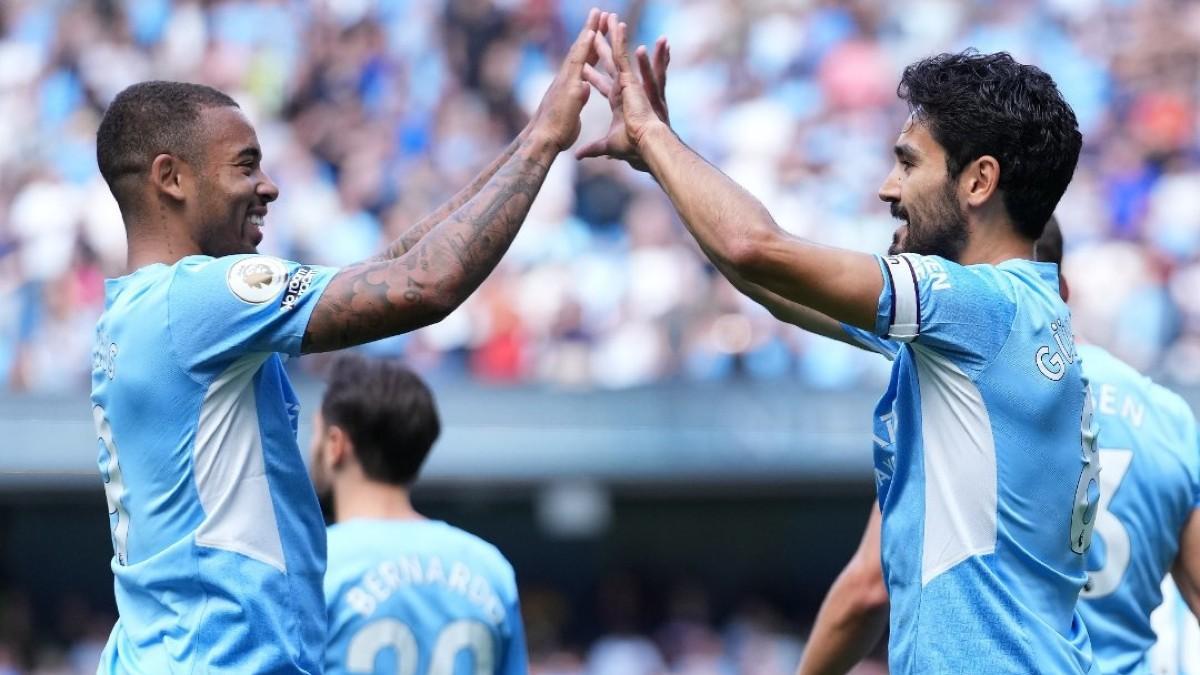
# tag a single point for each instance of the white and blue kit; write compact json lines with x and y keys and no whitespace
{"x":218,"y":538}
{"x":1149,"y":487}
{"x":986,"y":468}
{"x":420,"y":597}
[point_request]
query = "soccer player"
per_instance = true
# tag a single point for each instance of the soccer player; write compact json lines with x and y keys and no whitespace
{"x":405,"y":594}
{"x":1148,"y":523}
{"x":218,"y":538}
{"x":985,"y":461}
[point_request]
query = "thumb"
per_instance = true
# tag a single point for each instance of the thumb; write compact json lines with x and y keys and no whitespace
{"x":596,"y":148}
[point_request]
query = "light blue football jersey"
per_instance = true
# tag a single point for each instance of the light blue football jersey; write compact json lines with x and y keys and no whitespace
{"x":420,"y":597}
{"x":218,"y":538}
{"x":986,"y":468}
{"x":1148,"y":488}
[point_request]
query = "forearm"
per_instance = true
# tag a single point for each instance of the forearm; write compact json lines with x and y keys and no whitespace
{"x":373,"y":300}
{"x":413,"y":234}
{"x":720,"y":214}
{"x":741,"y":238}
{"x":786,"y":310}
{"x":846,"y":631}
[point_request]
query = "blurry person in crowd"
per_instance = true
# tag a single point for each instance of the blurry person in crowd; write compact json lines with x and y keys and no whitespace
{"x":217,"y":534}
{"x":405,"y":594}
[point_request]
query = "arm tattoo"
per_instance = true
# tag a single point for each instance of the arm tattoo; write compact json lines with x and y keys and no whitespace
{"x":412,"y":235}
{"x":377,"y":299}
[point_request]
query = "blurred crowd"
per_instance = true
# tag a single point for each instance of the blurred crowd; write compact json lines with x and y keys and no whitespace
{"x":371,"y":112}
{"x":685,"y":639}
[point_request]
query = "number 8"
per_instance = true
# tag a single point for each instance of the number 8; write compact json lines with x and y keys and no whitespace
{"x":1083,"y":511}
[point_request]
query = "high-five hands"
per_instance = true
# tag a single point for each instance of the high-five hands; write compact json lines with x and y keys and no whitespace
{"x":557,"y":117}
{"x":636,"y":104}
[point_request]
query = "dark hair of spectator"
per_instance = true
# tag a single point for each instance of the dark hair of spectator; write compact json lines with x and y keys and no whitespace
{"x":988,"y":104}
{"x":388,"y":413}
{"x":149,"y":119}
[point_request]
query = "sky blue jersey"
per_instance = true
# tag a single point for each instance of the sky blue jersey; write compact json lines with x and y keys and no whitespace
{"x":420,"y":598}
{"x":986,"y":468}
{"x":1148,"y":488}
{"x":218,"y":540}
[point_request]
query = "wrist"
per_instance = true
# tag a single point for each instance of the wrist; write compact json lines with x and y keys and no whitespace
{"x":540,"y":141}
{"x":538,"y":144}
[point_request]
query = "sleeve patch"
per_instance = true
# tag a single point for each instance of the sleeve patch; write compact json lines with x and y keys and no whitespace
{"x":257,"y":279}
{"x":297,"y":286}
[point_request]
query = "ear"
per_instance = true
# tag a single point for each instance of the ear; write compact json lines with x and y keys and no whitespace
{"x":338,"y":448}
{"x":169,"y":174}
{"x":981,"y":179}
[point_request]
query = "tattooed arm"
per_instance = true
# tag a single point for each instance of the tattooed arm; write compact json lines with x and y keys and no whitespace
{"x":376,"y":299}
{"x":379,"y":298}
{"x":412,"y":235}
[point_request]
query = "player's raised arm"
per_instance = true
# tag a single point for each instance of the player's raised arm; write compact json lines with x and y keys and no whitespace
{"x":732,"y":226}
{"x":422,"y":227}
{"x":424,"y":283}
{"x":616,"y":143}
{"x":854,"y":614}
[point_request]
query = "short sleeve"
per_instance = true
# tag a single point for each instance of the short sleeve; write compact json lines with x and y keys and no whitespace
{"x":515,"y":657}
{"x":222,"y":308}
{"x":871,"y":342}
{"x":962,"y":312}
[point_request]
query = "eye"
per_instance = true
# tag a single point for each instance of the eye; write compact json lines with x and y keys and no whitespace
{"x":248,"y":168}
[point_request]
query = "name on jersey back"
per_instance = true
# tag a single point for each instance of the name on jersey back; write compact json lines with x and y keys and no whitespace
{"x":412,"y":571}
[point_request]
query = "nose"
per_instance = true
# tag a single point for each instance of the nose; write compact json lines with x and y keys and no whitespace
{"x":890,"y":190}
{"x":267,"y":190}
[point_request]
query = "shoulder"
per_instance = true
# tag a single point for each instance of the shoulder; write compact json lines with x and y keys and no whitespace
{"x":251,"y":278}
{"x":480,"y":551}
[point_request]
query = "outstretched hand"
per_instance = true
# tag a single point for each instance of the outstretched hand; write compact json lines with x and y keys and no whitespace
{"x":557,"y":116}
{"x":634,"y":103}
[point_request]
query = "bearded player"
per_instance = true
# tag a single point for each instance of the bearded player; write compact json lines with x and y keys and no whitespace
{"x":985,"y":455}
{"x":1148,"y":523}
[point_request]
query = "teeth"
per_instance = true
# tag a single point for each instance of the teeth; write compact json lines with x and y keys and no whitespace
{"x":255,"y":220}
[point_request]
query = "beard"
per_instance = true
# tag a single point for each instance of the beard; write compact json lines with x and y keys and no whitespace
{"x":937,"y":229}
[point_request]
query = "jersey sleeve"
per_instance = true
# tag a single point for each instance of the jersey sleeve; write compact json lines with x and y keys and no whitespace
{"x":961,"y":312}
{"x":222,"y":308}
{"x":871,"y":342}
{"x":514,"y":657}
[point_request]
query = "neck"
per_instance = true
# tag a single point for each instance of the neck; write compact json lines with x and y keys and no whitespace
{"x":373,"y":500}
{"x":157,"y":239}
{"x":993,"y":243}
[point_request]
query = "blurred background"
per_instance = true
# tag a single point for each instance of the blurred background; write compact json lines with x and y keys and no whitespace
{"x":676,"y":476}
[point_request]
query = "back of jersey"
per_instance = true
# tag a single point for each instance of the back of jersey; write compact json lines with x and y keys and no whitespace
{"x":1149,"y":485}
{"x":420,"y":598}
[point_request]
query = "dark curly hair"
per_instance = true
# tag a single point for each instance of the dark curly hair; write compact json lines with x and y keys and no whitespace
{"x":148,"y":119}
{"x":988,"y":104}
{"x":388,"y":413}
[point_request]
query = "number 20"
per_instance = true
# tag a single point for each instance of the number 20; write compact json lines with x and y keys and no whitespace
{"x":383,"y":633}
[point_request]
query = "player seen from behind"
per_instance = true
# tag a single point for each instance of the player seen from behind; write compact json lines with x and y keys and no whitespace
{"x":405,"y":594}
